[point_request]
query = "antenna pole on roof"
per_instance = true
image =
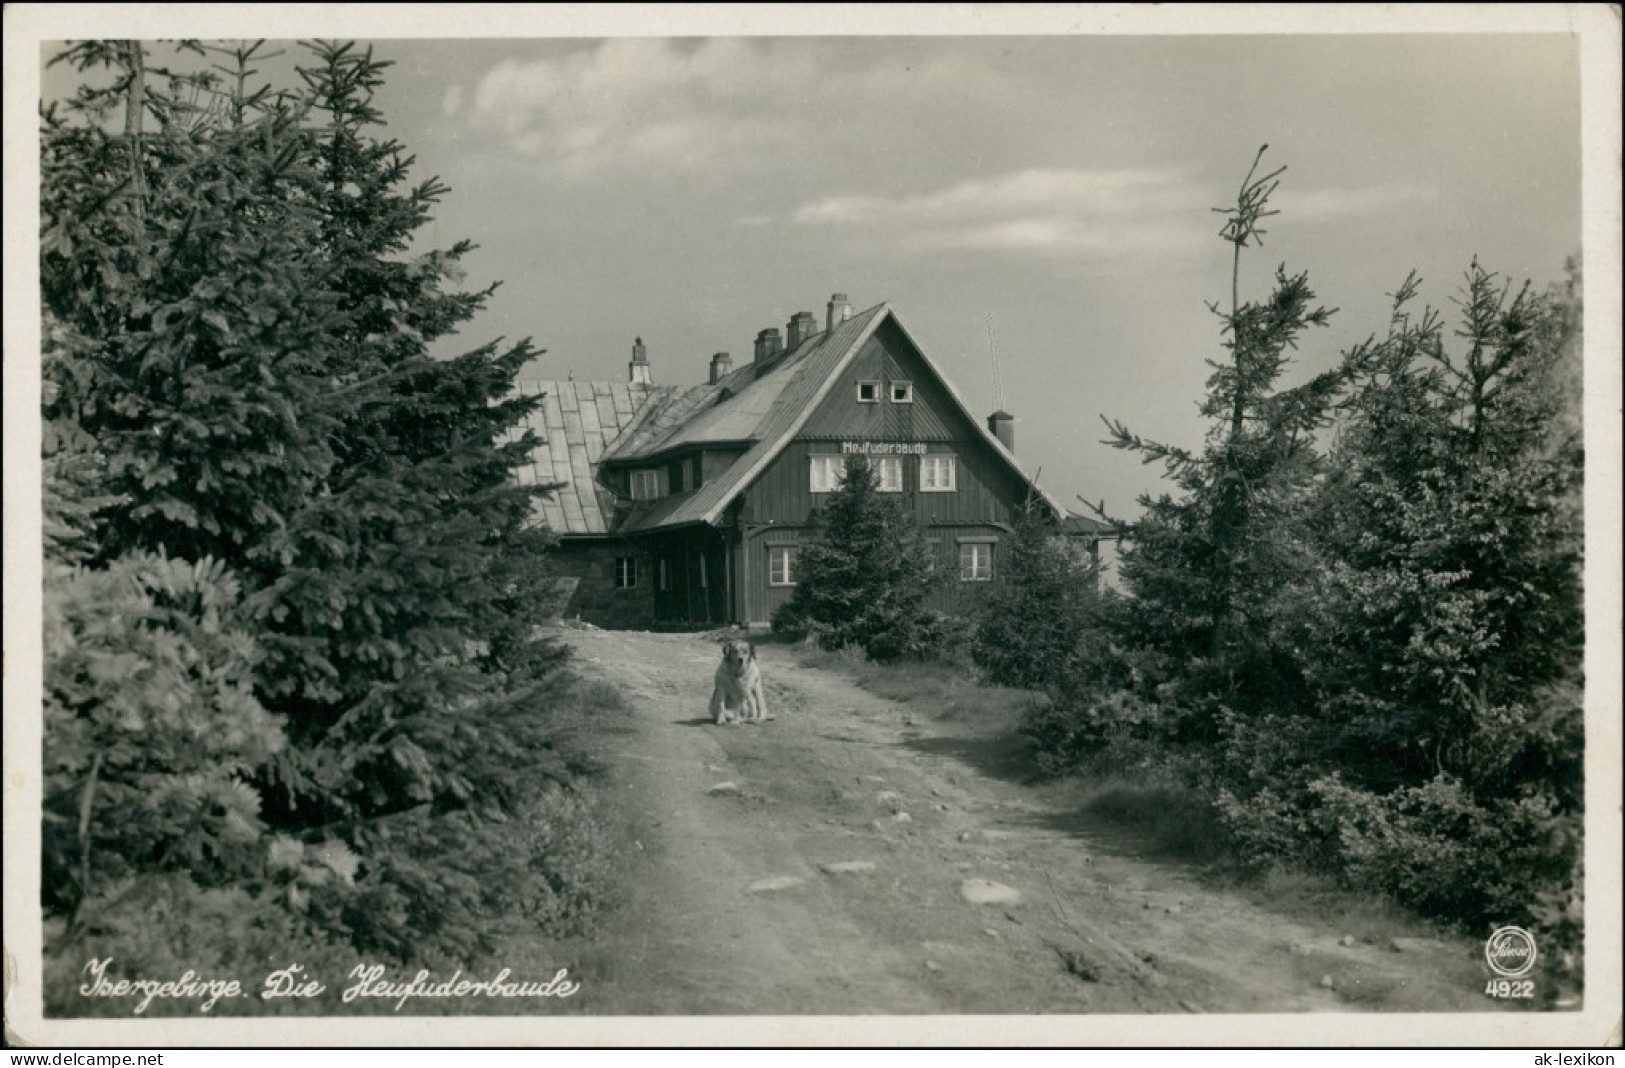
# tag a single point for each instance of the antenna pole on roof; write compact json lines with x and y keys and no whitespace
{"x":993,"y":356}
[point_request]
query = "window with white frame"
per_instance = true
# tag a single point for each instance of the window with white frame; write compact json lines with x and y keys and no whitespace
{"x":937,"y":474}
{"x":826,"y":474}
{"x":868,"y":392}
{"x":902,"y":392}
{"x":888,"y":473}
{"x":705,"y":579}
{"x":976,"y":561}
{"x":626,"y":572}
{"x":665,"y":573}
{"x":645,"y":485}
{"x":781,"y":565}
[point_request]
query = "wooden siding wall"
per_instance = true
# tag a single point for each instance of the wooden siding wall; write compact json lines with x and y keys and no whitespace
{"x":776,"y":508}
{"x":986,"y":490}
{"x":687,"y":599}
{"x":885,"y":358}
{"x":761,"y":600}
{"x":782,"y":496}
{"x":716,"y":461}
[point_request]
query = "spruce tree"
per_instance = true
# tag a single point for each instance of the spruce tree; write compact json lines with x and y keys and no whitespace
{"x":404,"y":647}
{"x":410,"y":590}
{"x":184,"y":306}
{"x":1030,"y":624}
{"x":259,"y":458}
{"x":1446,"y":632}
{"x":187,"y":305}
{"x":1204,"y":564}
{"x":866,"y":579}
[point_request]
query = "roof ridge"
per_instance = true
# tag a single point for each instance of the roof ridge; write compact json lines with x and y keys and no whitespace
{"x":758,"y":407}
{"x":981,"y":428}
{"x":793,"y":404}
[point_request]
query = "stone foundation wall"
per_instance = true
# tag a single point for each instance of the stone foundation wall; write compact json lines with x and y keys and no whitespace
{"x":596,"y":600}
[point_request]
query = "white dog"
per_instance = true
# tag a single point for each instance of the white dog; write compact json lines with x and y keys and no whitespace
{"x":737,"y":697}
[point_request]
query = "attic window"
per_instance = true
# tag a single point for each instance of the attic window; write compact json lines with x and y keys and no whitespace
{"x":902,"y":392}
{"x":645,"y":485}
{"x":868,"y":392}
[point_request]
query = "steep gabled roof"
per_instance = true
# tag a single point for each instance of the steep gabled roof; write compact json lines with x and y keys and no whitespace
{"x":761,"y":409}
{"x":980,"y":427}
{"x":574,"y":425}
{"x":767,"y":412}
{"x":746,"y":405}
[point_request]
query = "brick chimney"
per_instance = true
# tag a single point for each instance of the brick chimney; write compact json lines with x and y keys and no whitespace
{"x":637,"y":372}
{"x":840,"y":310}
{"x":721,"y":364}
{"x":1003,"y":426}
{"x":801,"y":327}
{"x":768,"y":345}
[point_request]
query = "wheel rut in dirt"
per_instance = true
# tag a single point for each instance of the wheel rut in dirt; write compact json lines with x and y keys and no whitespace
{"x":854,"y":855}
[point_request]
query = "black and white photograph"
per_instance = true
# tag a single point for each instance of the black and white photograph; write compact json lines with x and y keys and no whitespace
{"x":939,"y":524}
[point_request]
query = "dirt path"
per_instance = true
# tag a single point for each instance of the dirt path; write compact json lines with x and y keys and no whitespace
{"x":842,"y":776}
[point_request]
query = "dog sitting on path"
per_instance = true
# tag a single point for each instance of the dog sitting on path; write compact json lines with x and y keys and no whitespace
{"x":737,"y":697}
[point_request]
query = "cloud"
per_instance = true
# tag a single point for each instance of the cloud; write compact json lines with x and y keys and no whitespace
{"x":627,"y":101}
{"x":1057,"y":211}
{"x":1100,"y":213}
{"x":452,"y":103}
{"x":1342,"y":203}
{"x":685,"y":104}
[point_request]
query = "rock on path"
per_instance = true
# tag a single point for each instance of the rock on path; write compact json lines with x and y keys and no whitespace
{"x":988,"y":892}
{"x":848,"y":867}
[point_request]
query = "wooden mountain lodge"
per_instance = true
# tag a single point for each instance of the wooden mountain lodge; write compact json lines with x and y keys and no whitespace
{"x":687,"y":505}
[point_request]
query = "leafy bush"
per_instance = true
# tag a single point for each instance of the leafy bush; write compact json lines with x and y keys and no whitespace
{"x":438,"y":888}
{"x":1439,"y":849}
{"x":1066,"y":730}
{"x":569,"y":868}
{"x":152,"y":729}
{"x":161,"y":926}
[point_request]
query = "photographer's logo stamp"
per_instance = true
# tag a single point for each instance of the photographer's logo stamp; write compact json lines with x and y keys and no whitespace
{"x":1510,"y":952}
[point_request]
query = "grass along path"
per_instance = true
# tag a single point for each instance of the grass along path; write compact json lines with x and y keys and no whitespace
{"x":858,"y":855}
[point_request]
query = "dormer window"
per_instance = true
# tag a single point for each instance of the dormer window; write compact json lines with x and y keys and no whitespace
{"x":645,"y":485}
{"x":868,"y":392}
{"x":902,"y":392}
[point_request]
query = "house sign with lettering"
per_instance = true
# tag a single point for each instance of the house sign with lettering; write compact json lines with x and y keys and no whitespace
{"x":883,"y":448}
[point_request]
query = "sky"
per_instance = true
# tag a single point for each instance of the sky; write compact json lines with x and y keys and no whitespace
{"x":1045,"y":201}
